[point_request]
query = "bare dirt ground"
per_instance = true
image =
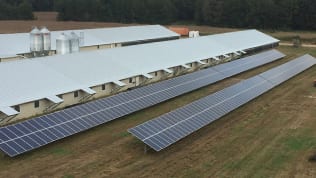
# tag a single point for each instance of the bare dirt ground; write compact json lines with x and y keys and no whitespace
{"x":272,"y":136}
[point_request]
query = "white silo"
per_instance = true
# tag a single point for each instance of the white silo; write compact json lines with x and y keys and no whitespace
{"x":63,"y":44}
{"x":36,"y":40}
{"x":74,"y":42}
{"x":46,"y":39}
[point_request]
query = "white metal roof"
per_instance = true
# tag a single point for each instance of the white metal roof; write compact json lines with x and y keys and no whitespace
{"x":29,"y":80}
{"x":33,"y":79}
{"x":19,"y":43}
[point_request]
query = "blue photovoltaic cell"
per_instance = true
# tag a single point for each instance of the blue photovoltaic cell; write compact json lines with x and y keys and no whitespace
{"x":167,"y":129}
{"x":294,"y":68}
{"x":61,"y":124}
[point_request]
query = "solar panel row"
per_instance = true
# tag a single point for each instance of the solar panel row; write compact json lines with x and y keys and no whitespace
{"x":28,"y":135}
{"x":293,"y":68}
{"x":167,"y":129}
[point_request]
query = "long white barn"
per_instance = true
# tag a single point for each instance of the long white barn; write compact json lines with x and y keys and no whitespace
{"x":14,"y":46}
{"x":33,"y":86}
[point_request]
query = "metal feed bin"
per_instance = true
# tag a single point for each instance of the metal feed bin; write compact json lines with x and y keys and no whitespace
{"x":74,"y":42}
{"x":63,"y":44}
{"x":46,"y":36}
{"x":36,"y":40}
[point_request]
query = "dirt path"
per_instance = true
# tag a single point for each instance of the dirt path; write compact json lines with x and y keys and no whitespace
{"x":303,"y":45}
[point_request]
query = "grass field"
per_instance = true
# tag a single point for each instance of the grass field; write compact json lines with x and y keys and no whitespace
{"x":272,"y":136}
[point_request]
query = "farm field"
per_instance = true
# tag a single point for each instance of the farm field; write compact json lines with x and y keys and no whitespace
{"x":272,"y":136}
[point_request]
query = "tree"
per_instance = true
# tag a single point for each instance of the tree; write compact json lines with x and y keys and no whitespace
{"x":25,"y":11}
{"x":212,"y":12}
{"x":42,"y":5}
{"x":270,"y":14}
{"x":185,"y":9}
{"x":305,"y":16}
{"x":236,"y":13}
{"x":261,"y":14}
{"x":16,"y":9}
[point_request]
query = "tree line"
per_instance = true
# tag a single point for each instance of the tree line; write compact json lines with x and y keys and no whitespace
{"x":15,"y":10}
{"x":264,"y":14}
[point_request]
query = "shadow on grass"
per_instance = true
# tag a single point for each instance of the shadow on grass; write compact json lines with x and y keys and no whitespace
{"x":312,"y":158}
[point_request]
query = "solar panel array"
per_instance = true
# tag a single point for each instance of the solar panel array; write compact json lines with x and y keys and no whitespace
{"x":167,"y":129}
{"x":28,"y":135}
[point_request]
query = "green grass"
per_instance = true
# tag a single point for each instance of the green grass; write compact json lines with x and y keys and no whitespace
{"x":303,"y":141}
{"x":189,"y":173}
{"x":271,"y":159}
{"x":60,"y":151}
{"x":122,"y":134}
{"x":68,"y":176}
{"x":295,"y":52}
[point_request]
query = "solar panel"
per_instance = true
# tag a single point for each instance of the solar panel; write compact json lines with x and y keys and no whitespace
{"x":297,"y":65}
{"x":28,"y":135}
{"x":167,"y":129}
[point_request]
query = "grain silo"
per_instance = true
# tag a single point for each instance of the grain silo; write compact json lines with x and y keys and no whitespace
{"x":46,"y":36}
{"x":63,"y":44}
{"x":74,"y":42}
{"x":36,"y":40}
